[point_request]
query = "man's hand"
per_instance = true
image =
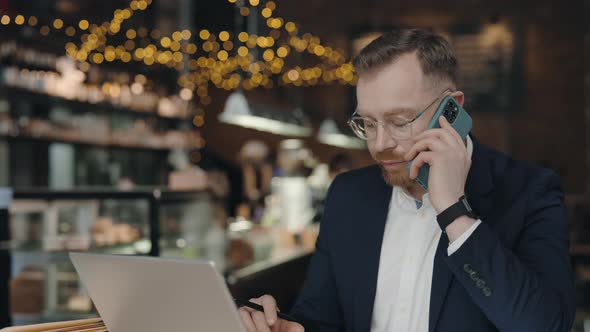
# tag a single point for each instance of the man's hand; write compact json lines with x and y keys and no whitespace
{"x":445,"y":151}
{"x":267,"y":321}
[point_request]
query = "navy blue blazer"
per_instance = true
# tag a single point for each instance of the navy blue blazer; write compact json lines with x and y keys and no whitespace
{"x":519,"y":251}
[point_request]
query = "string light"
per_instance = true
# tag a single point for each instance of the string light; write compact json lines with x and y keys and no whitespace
{"x":58,"y":23}
{"x":244,"y":11}
{"x":131,"y":34}
{"x":217,"y":67}
{"x":308,"y":42}
{"x":223,"y":36}
{"x":204,"y":34}
{"x":83,"y":24}
{"x":19,"y":20}
{"x":44,"y":30}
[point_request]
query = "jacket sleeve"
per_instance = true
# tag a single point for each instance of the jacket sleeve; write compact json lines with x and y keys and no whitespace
{"x":529,"y":288}
{"x":317,"y":306}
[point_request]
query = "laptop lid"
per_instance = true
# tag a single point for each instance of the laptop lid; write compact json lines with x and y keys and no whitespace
{"x":148,"y":294}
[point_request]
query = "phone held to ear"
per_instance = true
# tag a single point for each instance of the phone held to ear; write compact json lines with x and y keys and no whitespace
{"x":457,"y":117}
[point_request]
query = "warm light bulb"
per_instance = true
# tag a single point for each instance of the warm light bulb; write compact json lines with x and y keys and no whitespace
{"x":70,"y":31}
{"x":266,"y":12}
{"x":97,"y":58}
{"x":44,"y":30}
{"x":290,"y":26}
{"x":268,"y":55}
{"x":293,"y":75}
{"x":224,"y":36}
{"x":243,"y":37}
{"x":177,"y":35}
{"x":191,"y":48}
{"x":165,"y":42}
{"x":243,"y":51}
{"x":204,"y":34}
{"x":222,"y":55}
{"x":5,"y":19}
{"x":58,"y":23}
{"x":186,"y":34}
{"x":19,"y":19}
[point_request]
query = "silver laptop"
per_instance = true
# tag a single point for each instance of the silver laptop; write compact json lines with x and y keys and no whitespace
{"x":148,"y":294}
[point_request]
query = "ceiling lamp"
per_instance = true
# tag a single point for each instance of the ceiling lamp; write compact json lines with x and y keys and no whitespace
{"x":330,"y":134}
{"x":238,"y":111}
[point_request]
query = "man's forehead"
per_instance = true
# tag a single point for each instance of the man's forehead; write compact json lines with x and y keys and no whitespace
{"x":385,"y":113}
{"x":391,"y":85}
{"x":383,"y":101}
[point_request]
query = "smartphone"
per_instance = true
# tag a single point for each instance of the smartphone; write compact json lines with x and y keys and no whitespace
{"x":457,"y":117}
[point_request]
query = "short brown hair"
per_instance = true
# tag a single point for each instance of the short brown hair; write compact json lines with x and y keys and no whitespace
{"x":435,"y":54}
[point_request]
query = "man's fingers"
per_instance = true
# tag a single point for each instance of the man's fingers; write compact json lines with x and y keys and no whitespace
{"x":444,"y":123}
{"x":438,"y":133}
{"x":294,"y":327}
{"x":426,"y":144}
{"x":260,"y":322}
{"x":270,"y":309}
{"x":424,"y":157}
{"x":247,"y":319}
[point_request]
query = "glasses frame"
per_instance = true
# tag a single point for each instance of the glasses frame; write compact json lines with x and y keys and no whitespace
{"x":354,"y":116}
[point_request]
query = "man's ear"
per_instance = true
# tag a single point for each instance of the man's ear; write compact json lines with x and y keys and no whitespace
{"x":459,"y":97}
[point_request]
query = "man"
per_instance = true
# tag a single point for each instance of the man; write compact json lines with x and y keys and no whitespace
{"x":389,"y":259}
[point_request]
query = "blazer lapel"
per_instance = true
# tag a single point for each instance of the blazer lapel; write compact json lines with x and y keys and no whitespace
{"x":479,"y":184}
{"x":370,"y":238}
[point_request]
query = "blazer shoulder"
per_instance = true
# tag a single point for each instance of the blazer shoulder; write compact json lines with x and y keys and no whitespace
{"x":362,"y":176}
{"x":521,"y":173}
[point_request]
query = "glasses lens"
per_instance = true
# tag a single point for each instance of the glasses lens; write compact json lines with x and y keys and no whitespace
{"x":367,"y":129}
{"x":358,"y":127}
{"x":399,"y":130}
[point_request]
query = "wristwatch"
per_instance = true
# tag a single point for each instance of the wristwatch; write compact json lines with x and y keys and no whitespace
{"x":461,"y":208}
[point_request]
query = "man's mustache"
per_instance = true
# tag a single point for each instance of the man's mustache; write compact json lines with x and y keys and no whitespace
{"x":388,"y":155}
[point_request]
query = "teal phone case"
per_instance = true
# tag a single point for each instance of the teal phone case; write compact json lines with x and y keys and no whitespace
{"x":457,"y":117}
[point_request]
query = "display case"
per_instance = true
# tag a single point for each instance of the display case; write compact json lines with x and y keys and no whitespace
{"x":45,"y":225}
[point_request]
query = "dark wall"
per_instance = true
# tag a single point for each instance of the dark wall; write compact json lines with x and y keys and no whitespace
{"x":548,"y":126}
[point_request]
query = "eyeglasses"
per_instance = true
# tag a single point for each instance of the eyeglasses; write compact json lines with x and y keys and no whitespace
{"x":398,"y":127}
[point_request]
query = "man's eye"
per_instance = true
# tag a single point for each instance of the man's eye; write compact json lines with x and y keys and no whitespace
{"x":369,"y":125}
{"x":398,"y":122}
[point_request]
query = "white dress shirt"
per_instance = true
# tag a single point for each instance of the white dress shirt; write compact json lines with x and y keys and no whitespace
{"x":411,"y":236}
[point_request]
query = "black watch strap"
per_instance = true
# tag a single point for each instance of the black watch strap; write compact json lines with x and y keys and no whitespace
{"x":461,"y":208}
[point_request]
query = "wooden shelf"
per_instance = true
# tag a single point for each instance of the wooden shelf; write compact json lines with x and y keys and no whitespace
{"x":11,"y":92}
{"x":88,"y":143}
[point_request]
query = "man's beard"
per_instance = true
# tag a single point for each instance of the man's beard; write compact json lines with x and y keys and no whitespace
{"x":399,"y":177}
